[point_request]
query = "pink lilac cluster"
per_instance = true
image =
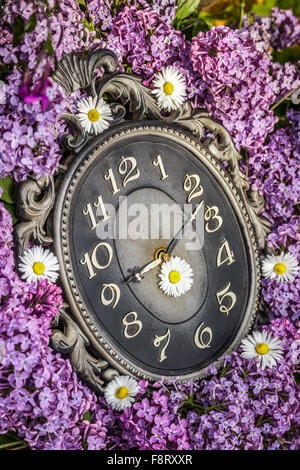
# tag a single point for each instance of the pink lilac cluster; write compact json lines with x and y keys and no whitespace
{"x":31,"y":103}
{"x":283,"y":298}
{"x":166,"y":9}
{"x":286,"y":78}
{"x":224,"y":70}
{"x":274,"y":170}
{"x":278,"y":30}
{"x":100,"y":12}
{"x":142,"y":40}
{"x":239,"y":89}
{"x":29,"y":135}
{"x":40,"y":396}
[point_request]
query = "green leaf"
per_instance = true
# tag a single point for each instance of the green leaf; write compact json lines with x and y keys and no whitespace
{"x":206,"y":17}
{"x":265,"y":9}
{"x":87,"y":416}
{"x":297,"y":377}
{"x":7,"y":186}
{"x":187,"y":9}
{"x":288,"y":54}
{"x":289,"y":4}
{"x":31,"y":23}
{"x":82,"y":5}
{"x":18,"y":30}
{"x":261,"y":10}
{"x":49,"y":46}
{"x":11,"y":208}
{"x":87,"y":24}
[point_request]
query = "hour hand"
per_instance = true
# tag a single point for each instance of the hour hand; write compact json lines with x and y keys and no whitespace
{"x":137,"y":273}
{"x":134,"y":275}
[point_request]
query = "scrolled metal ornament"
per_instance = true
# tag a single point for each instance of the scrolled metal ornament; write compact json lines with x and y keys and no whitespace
{"x":77,"y":71}
{"x":72,"y":342}
{"x":35,"y":199}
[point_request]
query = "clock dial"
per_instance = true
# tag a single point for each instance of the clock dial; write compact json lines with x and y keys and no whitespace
{"x":131,"y":252}
{"x":111,"y":230}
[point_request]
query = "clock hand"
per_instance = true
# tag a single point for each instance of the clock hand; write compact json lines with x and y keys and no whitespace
{"x":174,"y":242}
{"x":137,"y":273}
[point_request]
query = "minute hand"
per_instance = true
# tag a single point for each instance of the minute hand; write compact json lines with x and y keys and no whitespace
{"x":174,"y":242}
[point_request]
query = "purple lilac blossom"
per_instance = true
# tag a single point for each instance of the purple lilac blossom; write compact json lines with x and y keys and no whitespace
{"x":279,"y":30}
{"x":35,"y":145}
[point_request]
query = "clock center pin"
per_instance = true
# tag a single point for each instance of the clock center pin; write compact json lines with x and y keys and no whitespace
{"x":162,"y":253}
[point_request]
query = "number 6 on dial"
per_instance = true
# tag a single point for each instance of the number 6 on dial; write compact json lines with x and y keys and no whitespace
{"x":199,"y":337}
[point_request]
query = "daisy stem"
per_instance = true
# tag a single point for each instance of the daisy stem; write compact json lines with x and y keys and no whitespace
{"x":242,"y":7}
{"x":18,"y":445}
{"x":287,"y":95}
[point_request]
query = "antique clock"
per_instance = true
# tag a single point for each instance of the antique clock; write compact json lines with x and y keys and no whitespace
{"x":138,"y":303}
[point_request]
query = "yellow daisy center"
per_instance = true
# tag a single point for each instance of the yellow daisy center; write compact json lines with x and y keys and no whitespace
{"x":168,"y":88}
{"x":93,"y":115}
{"x":279,"y":268}
{"x":122,"y":392}
{"x":262,"y":348}
{"x":174,"y":277}
{"x":38,"y":268}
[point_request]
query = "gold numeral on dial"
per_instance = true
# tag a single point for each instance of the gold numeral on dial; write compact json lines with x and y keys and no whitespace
{"x":99,"y":203}
{"x":203,"y":336}
{"x":192,"y":185}
{"x":89,"y":211}
{"x":230,"y":299}
{"x":158,"y":162}
{"x":87,"y":260}
{"x":114,"y":294}
{"x":133,"y":173}
{"x":225,"y":255}
{"x":212,"y":213}
{"x":92,"y":262}
{"x":135,"y":325}
{"x":156,"y":342}
{"x":110,"y":177}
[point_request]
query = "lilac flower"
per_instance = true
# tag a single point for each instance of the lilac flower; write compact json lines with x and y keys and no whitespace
{"x":145,"y":410}
{"x":37,"y":93}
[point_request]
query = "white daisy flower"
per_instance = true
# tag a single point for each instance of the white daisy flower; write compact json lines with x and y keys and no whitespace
{"x":176,"y":277}
{"x":120,"y":392}
{"x":38,"y":263}
{"x":264,"y":346}
{"x":281,"y":267}
{"x":94,"y":115}
{"x":169,"y":88}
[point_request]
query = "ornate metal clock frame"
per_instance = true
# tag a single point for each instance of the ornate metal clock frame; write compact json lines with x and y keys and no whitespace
{"x":44,"y":203}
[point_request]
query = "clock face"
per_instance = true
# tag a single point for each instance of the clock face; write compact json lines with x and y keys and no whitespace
{"x":123,"y":242}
